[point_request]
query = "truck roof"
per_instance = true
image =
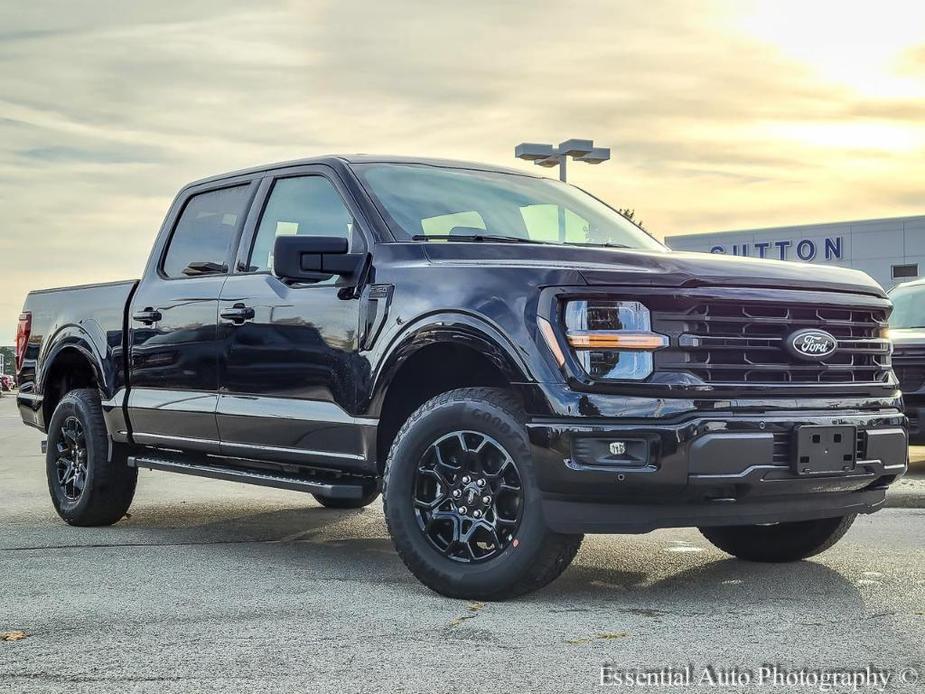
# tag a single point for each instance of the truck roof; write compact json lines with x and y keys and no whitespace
{"x":348,"y":159}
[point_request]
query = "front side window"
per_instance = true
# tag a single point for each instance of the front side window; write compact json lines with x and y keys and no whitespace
{"x":205,"y":231}
{"x":299,"y":206}
{"x":423,"y":201}
{"x":908,"y":307}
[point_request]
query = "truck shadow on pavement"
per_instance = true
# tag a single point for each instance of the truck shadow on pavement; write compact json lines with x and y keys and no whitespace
{"x":353,"y":546}
{"x":720,"y":581}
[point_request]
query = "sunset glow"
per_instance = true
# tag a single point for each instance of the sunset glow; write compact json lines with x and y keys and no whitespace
{"x":720,"y":115}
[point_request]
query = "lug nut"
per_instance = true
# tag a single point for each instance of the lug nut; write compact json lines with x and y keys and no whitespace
{"x":477,"y":513}
{"x":466,"y":480}
{"x":481,"y":483}
{"x":486,"y":499}
{"x":456,"y":493}
{"x":463,"y":509}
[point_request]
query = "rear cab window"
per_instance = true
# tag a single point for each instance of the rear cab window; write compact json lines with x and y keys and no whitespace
{"x":205,"y":231}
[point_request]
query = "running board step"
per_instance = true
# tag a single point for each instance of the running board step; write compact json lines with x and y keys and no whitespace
{"x":258,"y":477}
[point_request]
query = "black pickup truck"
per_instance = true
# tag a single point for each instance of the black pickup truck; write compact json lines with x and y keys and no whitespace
{"x":508,"y":360}
{"x":907,"y":331}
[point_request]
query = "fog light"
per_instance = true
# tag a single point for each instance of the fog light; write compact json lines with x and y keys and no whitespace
{"x":592,"y":451}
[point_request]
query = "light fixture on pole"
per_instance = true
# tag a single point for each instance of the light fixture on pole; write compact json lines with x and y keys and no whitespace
{"x":549,"y":156}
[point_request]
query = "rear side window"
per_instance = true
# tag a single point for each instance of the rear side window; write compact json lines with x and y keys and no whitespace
{"x":206,"y":229}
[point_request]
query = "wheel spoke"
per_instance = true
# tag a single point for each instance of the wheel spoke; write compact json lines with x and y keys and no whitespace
{"x":500,"y":472}
{"x":435,"y":475}
{"x":71,"y":461}
{"x":442,"y":465}
{"x":430,"y":505}
{"x":455,"y":509}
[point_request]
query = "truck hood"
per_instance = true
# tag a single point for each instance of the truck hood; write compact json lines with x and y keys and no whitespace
{"x":606,"y":266}
{"x":908,"y":337}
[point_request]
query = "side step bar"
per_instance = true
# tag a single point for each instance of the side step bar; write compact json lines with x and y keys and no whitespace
{"x":258,"y":477}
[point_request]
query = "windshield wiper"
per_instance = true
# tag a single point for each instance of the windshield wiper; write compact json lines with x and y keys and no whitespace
{"x":474,"y":237}
{"x":602,"y":244}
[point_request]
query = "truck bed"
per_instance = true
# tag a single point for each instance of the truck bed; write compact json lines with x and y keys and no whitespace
{"x":84,"y":317}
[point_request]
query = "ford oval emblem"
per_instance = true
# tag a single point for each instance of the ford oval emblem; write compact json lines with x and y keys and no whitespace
{"x":811,"y":345}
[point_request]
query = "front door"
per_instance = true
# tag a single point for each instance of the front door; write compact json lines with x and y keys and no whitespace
{"x":173,"y":324}
{"x":289,"y":367}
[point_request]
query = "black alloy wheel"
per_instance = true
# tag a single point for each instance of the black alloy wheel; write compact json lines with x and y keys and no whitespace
{"x":468,"y":496}
{"x":71,"y":460}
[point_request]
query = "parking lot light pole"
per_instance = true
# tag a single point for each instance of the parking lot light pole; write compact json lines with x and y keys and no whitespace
{"x":549,"y":156}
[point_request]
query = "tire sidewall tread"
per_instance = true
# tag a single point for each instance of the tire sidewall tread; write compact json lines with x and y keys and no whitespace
{"x":783,"y":542}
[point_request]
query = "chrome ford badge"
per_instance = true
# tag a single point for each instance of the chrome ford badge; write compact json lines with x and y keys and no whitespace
{"x":811,"y":345}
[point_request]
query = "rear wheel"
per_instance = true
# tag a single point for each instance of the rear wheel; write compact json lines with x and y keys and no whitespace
{"x":462,"y":501}
{"x":781,"y":542}
{"x":88,"y":483}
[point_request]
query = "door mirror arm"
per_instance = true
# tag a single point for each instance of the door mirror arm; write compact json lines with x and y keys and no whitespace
{"x":363,"y":277}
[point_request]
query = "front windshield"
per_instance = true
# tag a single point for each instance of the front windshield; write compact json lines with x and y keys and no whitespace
{"x":908,"y":307}
{"x":423,"y":201}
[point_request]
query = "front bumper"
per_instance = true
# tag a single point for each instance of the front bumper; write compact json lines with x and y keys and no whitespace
{"x":718,"y":469}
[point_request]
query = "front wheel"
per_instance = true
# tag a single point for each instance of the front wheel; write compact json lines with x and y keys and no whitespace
{"x":781,"y":542}
{"x":462,"y":501}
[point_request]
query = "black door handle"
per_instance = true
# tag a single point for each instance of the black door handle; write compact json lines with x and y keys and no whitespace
{"x":237,"y":314}
{"x":148,"y":316}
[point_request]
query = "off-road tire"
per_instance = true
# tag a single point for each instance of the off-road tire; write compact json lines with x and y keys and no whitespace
{"x":109,"y":482}
{"x":782,"y":542}
{"x":533,"y":559}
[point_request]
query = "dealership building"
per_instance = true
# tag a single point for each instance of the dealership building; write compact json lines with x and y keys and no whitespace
{"x":889,"y":250}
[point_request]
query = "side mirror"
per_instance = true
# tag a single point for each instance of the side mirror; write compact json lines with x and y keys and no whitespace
{"x":313,"y":258}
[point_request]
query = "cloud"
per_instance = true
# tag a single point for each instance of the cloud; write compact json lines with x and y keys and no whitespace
{"x":105,"y":112}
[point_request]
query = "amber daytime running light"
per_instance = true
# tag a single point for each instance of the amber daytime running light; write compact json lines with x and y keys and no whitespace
{"x":612,"y":340}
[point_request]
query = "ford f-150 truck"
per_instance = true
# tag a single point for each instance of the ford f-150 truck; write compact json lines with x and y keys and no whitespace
{"x":508,"y":360}
{"x":907,"y":331}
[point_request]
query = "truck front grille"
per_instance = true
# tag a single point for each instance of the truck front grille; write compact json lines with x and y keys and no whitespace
{"x":909,"y":365}
{"x":733,"y":343}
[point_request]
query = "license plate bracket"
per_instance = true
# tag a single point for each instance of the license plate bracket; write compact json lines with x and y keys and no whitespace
{"x":824,"y":450}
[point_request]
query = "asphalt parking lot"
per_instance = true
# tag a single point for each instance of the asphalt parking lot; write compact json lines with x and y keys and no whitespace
{"x":213,"y":586}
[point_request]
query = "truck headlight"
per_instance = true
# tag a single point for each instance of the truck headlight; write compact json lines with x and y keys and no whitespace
{"x":612,"y":340}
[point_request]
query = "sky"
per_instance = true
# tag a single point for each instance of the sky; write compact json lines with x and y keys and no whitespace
{"x":720,"y":114}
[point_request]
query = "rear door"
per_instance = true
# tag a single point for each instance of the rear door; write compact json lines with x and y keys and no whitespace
{"x":173,"y":319}
{"x":290,"y":367}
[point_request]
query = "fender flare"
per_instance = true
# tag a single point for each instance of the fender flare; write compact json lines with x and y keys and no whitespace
{"x":76,"y":337}
{"x":447,"y":327}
